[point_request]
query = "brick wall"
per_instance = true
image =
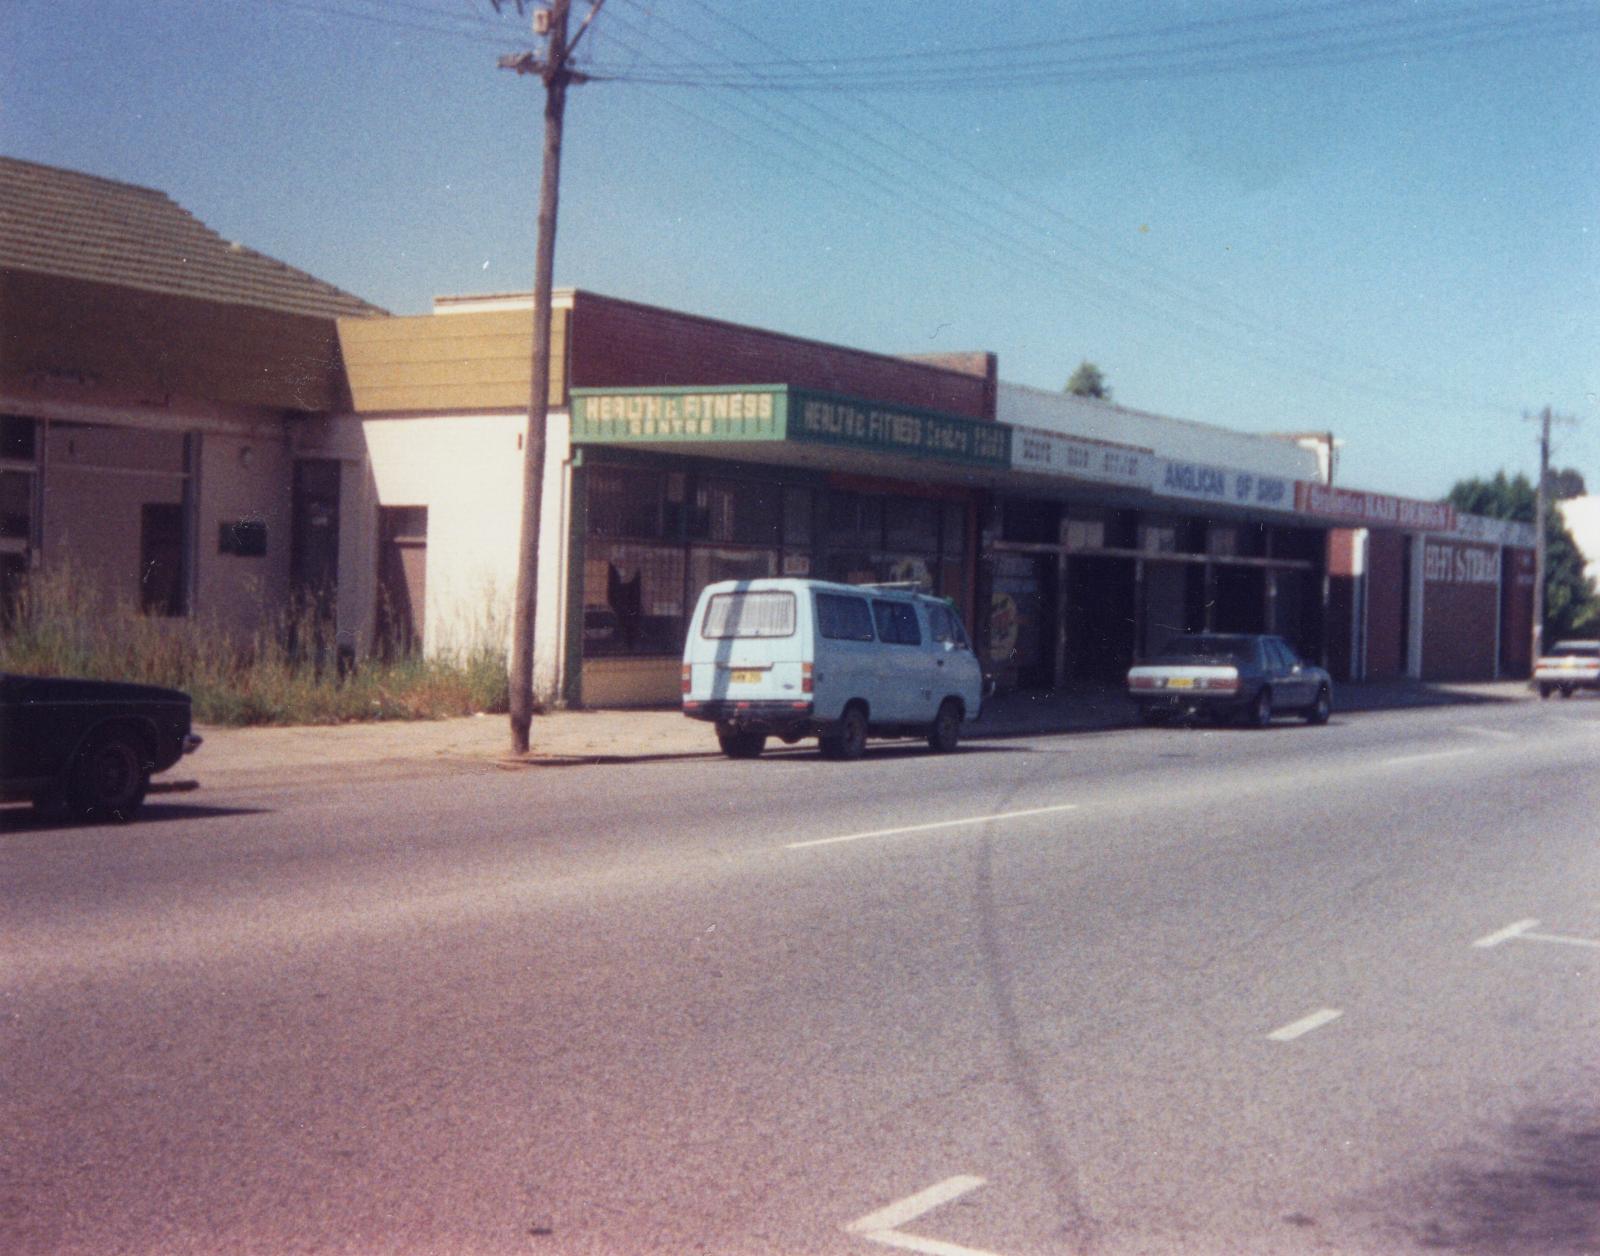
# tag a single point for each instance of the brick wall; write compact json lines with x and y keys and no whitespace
{"x":618,"y":344}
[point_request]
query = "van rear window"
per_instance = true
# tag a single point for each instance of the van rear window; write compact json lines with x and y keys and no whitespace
{"x":764,"y":613}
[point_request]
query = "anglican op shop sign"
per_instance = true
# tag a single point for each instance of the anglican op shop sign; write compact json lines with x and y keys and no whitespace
{"x":1222,"y":486}
{"x":778,"y":413}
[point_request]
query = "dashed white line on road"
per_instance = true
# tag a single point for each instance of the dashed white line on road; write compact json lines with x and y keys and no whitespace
{"x":1430,"y":756}
{"x":939,"y":824}
{"x":1305,"y":1025}
{"x":884,"y":1225}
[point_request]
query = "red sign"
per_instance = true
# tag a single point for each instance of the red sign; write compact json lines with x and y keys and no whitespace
{"x":1373,"y":510}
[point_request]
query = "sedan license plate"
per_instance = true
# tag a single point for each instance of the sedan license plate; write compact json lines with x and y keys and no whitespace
{"x":745,"y":676}
{"x":1180,"y":682}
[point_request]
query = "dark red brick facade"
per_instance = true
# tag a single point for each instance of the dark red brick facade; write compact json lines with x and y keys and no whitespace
{"x":618,"y":344}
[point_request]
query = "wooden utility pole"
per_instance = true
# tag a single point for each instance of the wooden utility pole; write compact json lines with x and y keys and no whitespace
{"x":1539,"y":509}
{"x":557,"y":75}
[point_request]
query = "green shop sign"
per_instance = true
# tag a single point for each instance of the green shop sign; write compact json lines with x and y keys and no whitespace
{"x":779,"y":413}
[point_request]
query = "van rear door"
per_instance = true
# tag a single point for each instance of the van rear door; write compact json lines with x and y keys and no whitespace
{"x":749,"y":647}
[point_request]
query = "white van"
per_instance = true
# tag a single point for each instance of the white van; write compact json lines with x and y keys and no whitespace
{"x":804,"y":658}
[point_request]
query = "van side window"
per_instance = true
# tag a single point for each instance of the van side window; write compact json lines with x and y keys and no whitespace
{"x":945,"y":628}
{"x":842,"y":618}
{"x":897,"y":623}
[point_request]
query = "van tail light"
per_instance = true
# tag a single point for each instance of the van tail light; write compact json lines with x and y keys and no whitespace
{"x":808,"y":683}
{"x":687,"y":678}
{"x":1142,"y":682}
{"x":1224,"y":684}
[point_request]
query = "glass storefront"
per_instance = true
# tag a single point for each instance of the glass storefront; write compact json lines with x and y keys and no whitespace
{"x":654,"y":538}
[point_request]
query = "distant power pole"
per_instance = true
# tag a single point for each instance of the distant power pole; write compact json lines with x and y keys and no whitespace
{"x":1539,"y":509}
{"x":1541,"y":512}
{"x":557,"y":74}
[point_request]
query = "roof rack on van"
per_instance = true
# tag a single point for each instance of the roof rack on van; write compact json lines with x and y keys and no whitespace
{"x":891,"y":586}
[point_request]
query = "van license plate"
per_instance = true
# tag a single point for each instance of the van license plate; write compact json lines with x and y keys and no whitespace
{"x":1180,"y":682}
{"x":746,"y":677}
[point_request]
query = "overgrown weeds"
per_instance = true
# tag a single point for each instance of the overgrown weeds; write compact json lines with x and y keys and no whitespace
{"x":288,"y":671}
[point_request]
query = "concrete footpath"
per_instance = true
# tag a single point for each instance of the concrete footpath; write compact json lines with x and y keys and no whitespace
{"x":232,"y":757}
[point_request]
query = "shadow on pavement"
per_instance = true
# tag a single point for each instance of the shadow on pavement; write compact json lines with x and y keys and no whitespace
{"x":1534,"y":1190}
{"x":24,"y":819}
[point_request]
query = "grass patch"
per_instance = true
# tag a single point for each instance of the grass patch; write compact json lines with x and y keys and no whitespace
{"x":286,"y":672}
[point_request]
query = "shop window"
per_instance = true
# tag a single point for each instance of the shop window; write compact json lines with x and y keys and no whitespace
{"x":163,"y":579}
{"x":1086,"y":534}
{"x":16,"y":438}
{"x":855,"y":521}
{"x":911,"y":523}
{"x":708,"y":565}
{"x":632,"y":599}
{"x":16,"y":505}
{"x":1029,"y":521}
{"x":798,"y":508}
{"x":744,"y":512}
{"x":1122,"y":529}
{"x":625,"y":503}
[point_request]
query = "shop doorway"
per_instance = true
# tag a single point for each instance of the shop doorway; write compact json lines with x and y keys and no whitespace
{"x":402,"y":578}
{"x":1022,"y":620}
{"x":1241,"y":604}
{"x":1102,"y":593}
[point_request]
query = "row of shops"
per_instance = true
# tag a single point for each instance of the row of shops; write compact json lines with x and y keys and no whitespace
{"x":367,"y":469}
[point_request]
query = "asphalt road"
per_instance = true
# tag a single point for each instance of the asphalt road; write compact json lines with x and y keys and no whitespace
{"x":1145,"y":991}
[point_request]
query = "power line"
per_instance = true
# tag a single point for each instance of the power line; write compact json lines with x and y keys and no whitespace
{"x":1113,"y":298}
{"x":969,"y":71}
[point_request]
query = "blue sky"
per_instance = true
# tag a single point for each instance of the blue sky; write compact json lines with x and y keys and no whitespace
{"x":1352,"y":219}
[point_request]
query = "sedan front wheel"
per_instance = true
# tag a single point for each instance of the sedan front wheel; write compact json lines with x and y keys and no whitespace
{"x":109,"y":780}
{"x":1319,"y":711}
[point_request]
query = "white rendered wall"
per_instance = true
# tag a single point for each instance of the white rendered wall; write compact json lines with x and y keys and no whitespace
{"x":467,"y":470}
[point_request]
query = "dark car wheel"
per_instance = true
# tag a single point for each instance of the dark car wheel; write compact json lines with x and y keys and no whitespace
{"x":849,"y":740}
{"x":1261,"y":709}
{"x":946,"y":728}
{"x":1566,"y":691}
{"x":739,"y":745}
{"x":1319,"y":711}
{"x":109,"y":779}
{"x":1545,"y":690}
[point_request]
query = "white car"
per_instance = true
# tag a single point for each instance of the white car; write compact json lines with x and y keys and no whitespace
{"x":797,"y":658}
{"x":1568,"y":667}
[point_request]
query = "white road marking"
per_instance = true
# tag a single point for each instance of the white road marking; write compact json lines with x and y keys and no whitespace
{"x":884,"y":1225}
{"x":1522,"y":930}
{"x":940,"y":824}
{"x":1565,"y":941}
{"x":1506,"y":934}
{"x":1429,"y":757}
{"x":1305,"y":1025}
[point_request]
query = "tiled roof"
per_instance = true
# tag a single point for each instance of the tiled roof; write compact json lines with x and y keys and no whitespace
{"x":61,"y":222}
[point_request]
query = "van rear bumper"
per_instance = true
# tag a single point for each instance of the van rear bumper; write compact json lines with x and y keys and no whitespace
{"x":771,"y":717}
